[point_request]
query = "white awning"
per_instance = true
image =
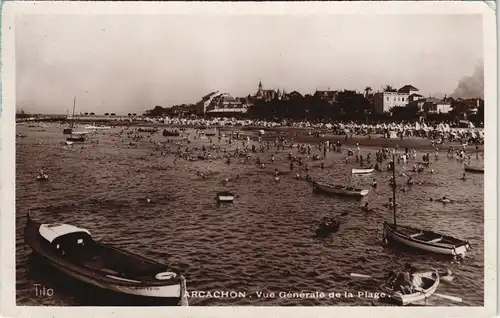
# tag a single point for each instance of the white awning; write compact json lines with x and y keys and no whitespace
{"x":52,"y":231}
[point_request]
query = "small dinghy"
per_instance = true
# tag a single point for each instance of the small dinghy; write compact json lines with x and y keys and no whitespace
{"x":426,"y":284}
{"x":338,"y":190}
{"x":42,"y":177}
{"x":74,"y":252}
{"x":362,"y":171}
{"x":69,"y":142}
{"x":473,"y":169}
{"x":225,"y":197}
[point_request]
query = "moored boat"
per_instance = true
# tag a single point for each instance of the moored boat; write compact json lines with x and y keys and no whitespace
{"x":170,"y":133}
{"x":338,"y":189}
{"x":425,"y":240}
{"x":77,"y":137}
{"x":362,"y":171}
{"x":74,"y":252}
{"x":225,"y":197}
{"x":474,"y":169}
{"x":427,"y":284}
{"x":42,"y":177}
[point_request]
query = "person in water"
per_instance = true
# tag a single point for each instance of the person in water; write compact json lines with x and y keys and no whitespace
{"x":445,"y":200}
{"x":366,"y":207}
{"x":374,"y":183}
{"x":403,"y":280}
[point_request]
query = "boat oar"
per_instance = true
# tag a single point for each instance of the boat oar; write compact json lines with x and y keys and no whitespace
{"x":453,"y":298}
{"x":360,"y":275}
{"x":364,"y":276}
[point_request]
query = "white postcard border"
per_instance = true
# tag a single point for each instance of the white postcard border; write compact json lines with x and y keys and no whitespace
{"x":7,"y":146}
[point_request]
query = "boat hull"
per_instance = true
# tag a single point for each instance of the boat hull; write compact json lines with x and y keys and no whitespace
{"x":392,"y":234}
{"x":75,"y":139}
{"x":225,"y":198}
{"x":362,"y":171}
{"x":339,"y":190}
{"x":473,"y":169}
{"x":170,"y":291}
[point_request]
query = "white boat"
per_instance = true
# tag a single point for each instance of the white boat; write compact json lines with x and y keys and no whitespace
{"x":362,"y":171}
{"x":225,"y":196}
{"x":338,"y":189}
{"x":69,"y":142}
{"x":421,"y":239}
{"x":42,"y":177}
{"x":97,"y":127}
{"x":74,"y":252}
{"x":428,"y":283}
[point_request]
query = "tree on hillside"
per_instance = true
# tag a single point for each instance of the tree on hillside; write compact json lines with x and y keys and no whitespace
{"x":352,"y":105}
{"x":368,"y":89}
{"x":389,"y":88}
{"x":410,"y":112}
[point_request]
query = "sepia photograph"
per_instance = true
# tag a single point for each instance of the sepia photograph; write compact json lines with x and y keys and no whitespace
{"x":305,"y":155}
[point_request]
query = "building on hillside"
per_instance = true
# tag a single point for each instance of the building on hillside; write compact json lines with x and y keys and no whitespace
{"x":267,"y":94}
{"x":408,"y":89}
{"x":432,"y":105}
{"x":384,"y":101}
{"x":201,"y":106}
{"x":436,"y":106}
{"x":293,"y":95}
{"x":329,"y":96}
{"x":216,"y":101}
{"x":413,"y":97}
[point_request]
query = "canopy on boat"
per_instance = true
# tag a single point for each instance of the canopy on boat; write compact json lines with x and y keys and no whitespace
{"x":52,"y":231}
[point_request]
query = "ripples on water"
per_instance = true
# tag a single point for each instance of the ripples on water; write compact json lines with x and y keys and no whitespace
{"x":262,"y":243}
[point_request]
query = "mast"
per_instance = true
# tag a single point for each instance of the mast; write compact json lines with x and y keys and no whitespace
{"x":73,"y":116}
{"x":394,"y":185}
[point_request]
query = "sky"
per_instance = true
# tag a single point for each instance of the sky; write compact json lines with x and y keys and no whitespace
{"x":131,"y":63}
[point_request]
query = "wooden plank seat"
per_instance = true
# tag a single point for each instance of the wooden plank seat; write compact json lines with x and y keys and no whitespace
{"x":436,"y":240}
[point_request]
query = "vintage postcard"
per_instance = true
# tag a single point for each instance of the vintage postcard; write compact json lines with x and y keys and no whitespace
{"x":242,"y":159}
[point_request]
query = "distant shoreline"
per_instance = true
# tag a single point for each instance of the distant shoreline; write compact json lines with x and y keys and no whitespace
{"x":301,"y":135}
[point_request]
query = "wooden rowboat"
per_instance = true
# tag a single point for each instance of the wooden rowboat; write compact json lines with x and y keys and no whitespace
{"x":73,"y":251}
{"x":362,"y":171}
{"x":426,"y":284}
{"x":425,"y":240}
{"x":338,"y":189}
{"x":473,"y":169}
